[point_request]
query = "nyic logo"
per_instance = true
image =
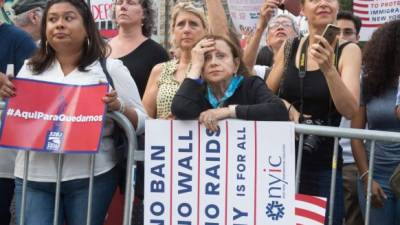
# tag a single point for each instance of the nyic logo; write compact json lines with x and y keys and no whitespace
{"x":275,"y":209}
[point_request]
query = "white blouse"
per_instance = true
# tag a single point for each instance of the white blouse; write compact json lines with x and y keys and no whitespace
{"x":7,"y":163}
{"x":43,"y":166}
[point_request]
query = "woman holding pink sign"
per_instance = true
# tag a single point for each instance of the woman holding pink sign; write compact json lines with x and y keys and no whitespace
{"x":69,"y":53}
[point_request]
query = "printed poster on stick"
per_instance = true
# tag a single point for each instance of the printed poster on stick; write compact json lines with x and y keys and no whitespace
{"x":245,"y":14}
{"x":241,"y":174}
{"x":53,"y":117}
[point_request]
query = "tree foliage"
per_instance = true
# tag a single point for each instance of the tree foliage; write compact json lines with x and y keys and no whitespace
{"x":346,"y":5}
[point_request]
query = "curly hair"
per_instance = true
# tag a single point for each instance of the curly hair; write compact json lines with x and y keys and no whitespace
{"x":381,"y":59}
{"x":148,"y":20}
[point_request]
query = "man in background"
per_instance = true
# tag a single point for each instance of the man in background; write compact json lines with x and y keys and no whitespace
{"x":350,"y":26}
{"x":28,"y":16}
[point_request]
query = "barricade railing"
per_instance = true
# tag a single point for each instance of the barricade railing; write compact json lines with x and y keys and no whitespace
{"x":336,"y":133}
{"x":134,"y":156}
{"x":127,"y":127}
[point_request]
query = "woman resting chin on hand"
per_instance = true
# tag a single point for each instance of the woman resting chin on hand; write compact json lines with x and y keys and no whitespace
{"x":218,"y":86}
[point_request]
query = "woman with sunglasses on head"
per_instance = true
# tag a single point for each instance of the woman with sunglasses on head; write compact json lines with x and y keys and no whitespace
{"x":70,"y":51}
{"x":318,"y":89}
{"x":188,"y":26}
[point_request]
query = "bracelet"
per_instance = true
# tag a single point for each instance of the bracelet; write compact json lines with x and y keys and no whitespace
{"x":364,"y":174}
{"x":121,"y":106}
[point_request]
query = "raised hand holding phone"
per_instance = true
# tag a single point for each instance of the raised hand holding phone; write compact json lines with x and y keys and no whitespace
{"x":330,"y":33}
{"x":323,"y":50}
{"x":270,"y":8}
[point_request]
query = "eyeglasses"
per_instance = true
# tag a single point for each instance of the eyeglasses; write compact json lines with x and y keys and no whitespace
{"x":347,"y":32}
{"x":316,"y":2}
{"x":275,"y":25}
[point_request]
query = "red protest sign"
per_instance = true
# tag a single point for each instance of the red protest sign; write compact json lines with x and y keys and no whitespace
{"x":54,"y":117}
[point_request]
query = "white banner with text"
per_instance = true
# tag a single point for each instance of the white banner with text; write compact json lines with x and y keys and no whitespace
{"x":242,"y":174}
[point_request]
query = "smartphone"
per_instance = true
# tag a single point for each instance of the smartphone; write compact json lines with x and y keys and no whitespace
{"x":330,"y":33}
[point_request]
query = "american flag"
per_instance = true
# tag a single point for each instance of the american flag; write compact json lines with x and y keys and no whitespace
{"x":310,"y":210}
{"x":369,"y":13}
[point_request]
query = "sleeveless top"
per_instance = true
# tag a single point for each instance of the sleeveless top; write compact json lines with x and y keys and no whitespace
{"x":140,"y":63}
{"x":316,"y":98}
{"x":167,"y":88}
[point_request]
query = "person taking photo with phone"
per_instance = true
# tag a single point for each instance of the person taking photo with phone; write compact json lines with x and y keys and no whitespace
{"x":319,"y":82}
{"x":278,"y":28}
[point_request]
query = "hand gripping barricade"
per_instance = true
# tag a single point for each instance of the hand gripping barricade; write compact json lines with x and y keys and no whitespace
{"x":133,"y":156}
{"x":337,"y":133}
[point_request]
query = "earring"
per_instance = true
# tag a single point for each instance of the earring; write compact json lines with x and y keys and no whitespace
{"x":46,"y":47}
{"x":88,"y":43}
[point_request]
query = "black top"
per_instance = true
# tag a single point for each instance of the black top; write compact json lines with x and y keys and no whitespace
{"x":265,"y":57}
{"x":255,"y":101}
{"x":141,"y":61}
{"x":316,"y":103}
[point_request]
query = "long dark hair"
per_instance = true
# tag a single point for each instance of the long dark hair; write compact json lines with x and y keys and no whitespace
{"x":93,"y":49}
{"x":381,"y":59}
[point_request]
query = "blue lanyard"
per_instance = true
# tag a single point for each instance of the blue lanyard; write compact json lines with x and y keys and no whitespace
{"x":235,"y":82}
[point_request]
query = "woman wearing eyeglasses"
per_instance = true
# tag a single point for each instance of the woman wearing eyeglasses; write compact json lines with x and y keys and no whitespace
{"x":319,"y":89}
{"x":279,"y":28}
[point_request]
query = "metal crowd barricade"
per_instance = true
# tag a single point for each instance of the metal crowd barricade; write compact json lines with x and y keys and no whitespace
{"x":133,"y":156}
{"x":337,"y":133}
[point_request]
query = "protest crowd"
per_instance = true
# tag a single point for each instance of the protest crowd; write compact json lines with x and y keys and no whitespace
{"x":207,"y":74}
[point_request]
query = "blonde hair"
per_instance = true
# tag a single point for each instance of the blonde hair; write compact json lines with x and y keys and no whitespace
{"x":190,"y":8}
